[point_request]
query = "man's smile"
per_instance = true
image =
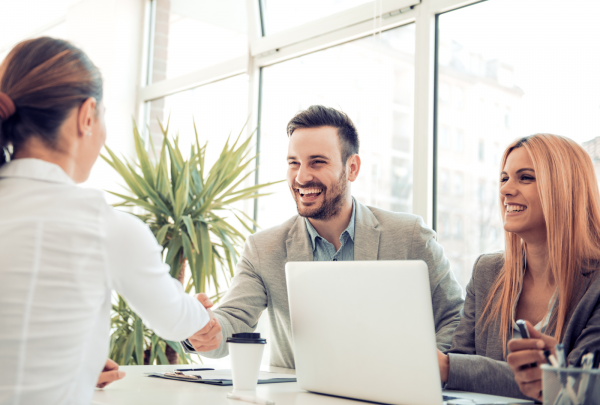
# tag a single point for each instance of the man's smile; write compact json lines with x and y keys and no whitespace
{"x":310,"y":192}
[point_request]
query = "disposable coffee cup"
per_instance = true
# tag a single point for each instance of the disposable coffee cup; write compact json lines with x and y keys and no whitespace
{"x":246,"y":350}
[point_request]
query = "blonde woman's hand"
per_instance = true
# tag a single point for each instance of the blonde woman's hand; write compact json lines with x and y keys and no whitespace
{"x":444,"y":362}
{"x":524,"y":352}
{"x":109,"y":374}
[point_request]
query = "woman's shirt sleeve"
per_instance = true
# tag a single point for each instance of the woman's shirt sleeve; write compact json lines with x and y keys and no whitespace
{"x":136,"y":271}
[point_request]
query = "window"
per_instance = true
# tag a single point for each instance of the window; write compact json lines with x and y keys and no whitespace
{"x":481,"y":150}
{"x":280,"y":15}
{"x":191,"y":35}
{"x":458,"y":140}
{"x":481,"y":195}
{"x":445,"y":136}
{"x":443,"y":225}
{"x":218,"y":110}
{"x":458,"y":228}
{"x":492,"y":85}
{"x":458,"y":184}
{"x":443,"y":182}
{"x":444,"y":93}
{"x":532,"y":78}
{"x":458,"y":98}
{"x":507,"y":119}
{"x":359,"y":78}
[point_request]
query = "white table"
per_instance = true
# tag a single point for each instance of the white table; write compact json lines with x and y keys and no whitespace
{"x":137,"y":388}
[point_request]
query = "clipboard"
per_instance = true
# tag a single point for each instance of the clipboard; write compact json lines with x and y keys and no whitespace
{"x":196,"y":378}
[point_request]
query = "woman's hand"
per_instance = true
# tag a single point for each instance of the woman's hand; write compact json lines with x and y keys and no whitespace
{"x":444,"y":361}
{"x":524,"y":352}
{"x":109,"y":374}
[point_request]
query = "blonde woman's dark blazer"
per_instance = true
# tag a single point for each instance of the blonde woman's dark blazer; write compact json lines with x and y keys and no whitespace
{"x":477,"y":362}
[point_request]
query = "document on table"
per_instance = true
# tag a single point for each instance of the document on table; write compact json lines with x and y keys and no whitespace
{"x":223,"y":377}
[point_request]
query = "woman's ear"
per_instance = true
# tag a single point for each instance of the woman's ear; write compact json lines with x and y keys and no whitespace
{"x":86,"y":116}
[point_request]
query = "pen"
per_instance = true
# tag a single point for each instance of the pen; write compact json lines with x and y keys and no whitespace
{"x":596,"y":362}
{"x":560,"y":355}
{"x":583,"y":353}
{"x":194,"y":369}
{"x":252,"y":400}
{"x":553,"y":361}
{"x":547,"y":355}
{"x":586,"y":364}
{"x":525,"y":335}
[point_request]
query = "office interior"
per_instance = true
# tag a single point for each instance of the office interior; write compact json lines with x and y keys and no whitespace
{"x":436,"y":88}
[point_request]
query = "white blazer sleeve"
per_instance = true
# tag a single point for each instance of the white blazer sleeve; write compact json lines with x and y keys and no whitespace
{"x":137,"y":272}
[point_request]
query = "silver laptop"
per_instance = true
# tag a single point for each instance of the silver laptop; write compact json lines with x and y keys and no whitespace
{"x":365,"y":330}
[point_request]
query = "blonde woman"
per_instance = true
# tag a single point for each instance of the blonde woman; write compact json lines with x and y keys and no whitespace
{"x":547,"y":275}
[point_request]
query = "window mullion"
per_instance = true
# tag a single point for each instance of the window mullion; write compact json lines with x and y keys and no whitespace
{"x":423,"y":164}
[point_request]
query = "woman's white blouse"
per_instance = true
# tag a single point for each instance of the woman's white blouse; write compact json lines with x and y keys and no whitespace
{"x":62,"y":251}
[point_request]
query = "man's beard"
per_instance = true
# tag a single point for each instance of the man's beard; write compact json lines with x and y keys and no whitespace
{"x":333,"y":199}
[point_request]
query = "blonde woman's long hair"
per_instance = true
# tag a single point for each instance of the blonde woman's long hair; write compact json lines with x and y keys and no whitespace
{"x":568,"y":191}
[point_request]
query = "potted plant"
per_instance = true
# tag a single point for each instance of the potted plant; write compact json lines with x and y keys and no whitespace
{"x":188,"y":208}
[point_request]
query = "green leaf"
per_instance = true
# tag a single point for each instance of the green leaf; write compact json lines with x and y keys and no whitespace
{"x":162,"y":178}
{"x":173,"y":247}
{"x":128,"y":349}
{"x":140,"y":203}
{"x":187,"y":250}
{"x":124,"y":172}
{"x":160,"y":351}
{"x":183,"y":356}
{"x":154,"y":342}
{"x":139,"y":340}
{"x":190,"y":230}
{"x":142,"y":155}
{"x":160,"y":235}
{"x":181,"y":195}
{"x":206,"y":250}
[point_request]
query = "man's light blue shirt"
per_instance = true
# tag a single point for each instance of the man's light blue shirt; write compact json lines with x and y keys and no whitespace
{"x":325,"y":251}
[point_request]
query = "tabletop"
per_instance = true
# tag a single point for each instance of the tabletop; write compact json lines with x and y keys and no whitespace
{"x":137,"y":388}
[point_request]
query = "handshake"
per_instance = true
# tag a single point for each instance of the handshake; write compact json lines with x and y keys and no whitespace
{"x":210,"y":337}
{"x":206,"y":339}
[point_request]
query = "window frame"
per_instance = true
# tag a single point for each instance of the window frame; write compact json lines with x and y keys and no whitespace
{"x":344,"y":26}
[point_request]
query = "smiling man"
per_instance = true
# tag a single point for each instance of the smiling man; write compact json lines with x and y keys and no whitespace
{"x":323,"y":161}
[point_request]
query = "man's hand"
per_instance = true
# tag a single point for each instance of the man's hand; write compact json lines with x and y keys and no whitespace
{"x":444,"y":362}
{"x":210,"y":337}
{"x":109,"y":374}
{"x":204,"y":300}
{"x":524,"y":352}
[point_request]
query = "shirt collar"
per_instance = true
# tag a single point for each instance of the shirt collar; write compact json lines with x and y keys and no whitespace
{"x":35,"y":169}
{"x":312,"y":232}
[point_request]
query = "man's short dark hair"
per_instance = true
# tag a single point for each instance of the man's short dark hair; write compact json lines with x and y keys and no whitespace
{"x":317,"y":116}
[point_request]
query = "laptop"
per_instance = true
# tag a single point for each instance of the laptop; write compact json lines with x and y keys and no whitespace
{"x":365,"y":330}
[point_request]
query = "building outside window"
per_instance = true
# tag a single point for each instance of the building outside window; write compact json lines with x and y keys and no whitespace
{"x":533,"y":78}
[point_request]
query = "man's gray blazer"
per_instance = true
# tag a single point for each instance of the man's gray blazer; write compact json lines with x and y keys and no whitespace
{"x":260,"y":282}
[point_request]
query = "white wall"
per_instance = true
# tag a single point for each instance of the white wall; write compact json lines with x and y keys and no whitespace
{"x":111,"y":32}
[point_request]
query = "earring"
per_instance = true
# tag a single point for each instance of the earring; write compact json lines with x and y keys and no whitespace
{"x":88,"y":134}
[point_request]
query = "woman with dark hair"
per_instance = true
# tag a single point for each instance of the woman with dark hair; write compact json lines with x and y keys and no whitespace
{"x":63,"y":249}
{"x":547,"y":275}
